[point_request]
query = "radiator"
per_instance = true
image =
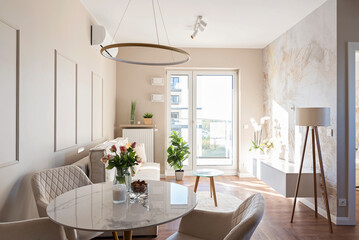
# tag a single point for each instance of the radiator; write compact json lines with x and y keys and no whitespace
{"x":145,"y":136}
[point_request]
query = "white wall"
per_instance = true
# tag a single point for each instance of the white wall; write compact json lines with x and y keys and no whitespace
{"x":44,"y":26}
{"x":134,"y":83}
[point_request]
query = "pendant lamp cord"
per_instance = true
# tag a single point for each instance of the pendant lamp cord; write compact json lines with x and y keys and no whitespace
{"x":155,"y":20}
{"x":118,"y":26}
{"x":164,"y":26}
{"x":154,"y":17}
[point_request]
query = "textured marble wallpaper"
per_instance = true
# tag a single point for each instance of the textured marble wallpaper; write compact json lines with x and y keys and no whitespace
{"x":300,"y":71}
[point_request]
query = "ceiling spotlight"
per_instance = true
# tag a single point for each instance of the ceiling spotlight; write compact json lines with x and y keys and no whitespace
{"x":194,"y":34}
{"x":201,"y":28}
{"x":200,"y":25}
{"x":203,"y":23}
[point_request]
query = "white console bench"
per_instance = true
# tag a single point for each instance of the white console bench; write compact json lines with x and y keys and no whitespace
{"x":282,"y":177}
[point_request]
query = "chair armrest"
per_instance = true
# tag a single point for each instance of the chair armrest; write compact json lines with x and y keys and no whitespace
{"x":206,"y":225}
{"x":83,"y":164}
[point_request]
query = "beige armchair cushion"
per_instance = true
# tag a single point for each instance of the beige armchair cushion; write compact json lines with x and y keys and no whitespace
{"x":32,"y":229}
{"x":50,"y":183}
{"x":239,"y":224}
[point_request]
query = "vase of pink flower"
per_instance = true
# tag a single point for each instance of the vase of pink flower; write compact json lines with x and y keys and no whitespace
{"x":124,"y":162}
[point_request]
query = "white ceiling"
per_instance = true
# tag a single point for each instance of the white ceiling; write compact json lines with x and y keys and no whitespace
{"x":231,"y":23}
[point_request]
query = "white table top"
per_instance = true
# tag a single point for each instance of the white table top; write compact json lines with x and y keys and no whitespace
{"x":90,"y":207}
{"x":207,"y":172}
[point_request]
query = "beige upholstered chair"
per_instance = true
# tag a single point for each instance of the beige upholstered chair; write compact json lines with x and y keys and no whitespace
{"x":50,"y":183}
{"x":237,"y":225}
{"x":32,"y":229}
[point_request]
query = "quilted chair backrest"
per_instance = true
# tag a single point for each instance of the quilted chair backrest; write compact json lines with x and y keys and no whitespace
{"x":246,"y":218}
{"x":50,"y":183}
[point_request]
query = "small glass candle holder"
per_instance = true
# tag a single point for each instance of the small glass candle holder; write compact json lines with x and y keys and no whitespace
{"x":119,"y":193}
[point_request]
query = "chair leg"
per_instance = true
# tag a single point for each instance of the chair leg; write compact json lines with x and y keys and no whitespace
{"x":196,"y":184}
{"x":300,"y":173}
{"x":314,"y":175}
{"x":323,"y":181}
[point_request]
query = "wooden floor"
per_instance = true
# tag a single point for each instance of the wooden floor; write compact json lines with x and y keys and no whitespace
{"x":276,"y":220}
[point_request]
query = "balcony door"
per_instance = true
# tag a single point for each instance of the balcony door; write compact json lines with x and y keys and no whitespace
{"x":202,"y":107}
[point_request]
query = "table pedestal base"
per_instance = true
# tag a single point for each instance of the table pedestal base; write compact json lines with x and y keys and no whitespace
{"x":127,"y":235}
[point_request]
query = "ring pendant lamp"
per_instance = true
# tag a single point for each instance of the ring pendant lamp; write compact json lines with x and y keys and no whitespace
{"x":185,"y":55}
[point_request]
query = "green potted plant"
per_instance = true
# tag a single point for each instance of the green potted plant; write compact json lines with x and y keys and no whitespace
{"x":177,"y":153}
{"x":147,"y":118}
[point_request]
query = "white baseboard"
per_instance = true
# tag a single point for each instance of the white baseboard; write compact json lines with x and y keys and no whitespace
{"x":245,"y":175}
{"x":321,"y":211}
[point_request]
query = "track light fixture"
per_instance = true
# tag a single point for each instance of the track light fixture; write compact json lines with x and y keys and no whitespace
{"x":200,"y":25}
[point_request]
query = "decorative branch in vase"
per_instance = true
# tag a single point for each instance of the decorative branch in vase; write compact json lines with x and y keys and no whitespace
{"x":133,"y":108}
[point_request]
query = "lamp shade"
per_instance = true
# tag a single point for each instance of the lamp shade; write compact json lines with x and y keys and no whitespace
{"x":313,"y":116}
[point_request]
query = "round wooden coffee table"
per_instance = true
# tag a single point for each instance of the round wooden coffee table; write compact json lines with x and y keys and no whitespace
{"x":210,"y":173}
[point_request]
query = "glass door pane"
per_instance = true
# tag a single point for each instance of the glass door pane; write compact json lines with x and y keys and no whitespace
{"x":180,"y":113}
{"x":214,"y":119}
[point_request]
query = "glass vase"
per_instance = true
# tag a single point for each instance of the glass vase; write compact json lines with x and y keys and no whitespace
{"x":119,"y":188}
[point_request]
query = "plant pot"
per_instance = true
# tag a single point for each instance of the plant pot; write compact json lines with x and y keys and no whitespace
{"x":179,"y":175}
{"x":147,"y":121}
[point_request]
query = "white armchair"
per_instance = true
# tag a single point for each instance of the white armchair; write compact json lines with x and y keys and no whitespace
{"x":32,"y":229}
{"x":50,"y":183}
{"x":237,"y":225}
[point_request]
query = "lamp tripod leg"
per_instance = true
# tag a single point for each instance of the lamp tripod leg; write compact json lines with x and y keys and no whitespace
{"x":323,"y":181}
{"x":314,"y":174}
{"x":300,"y":173}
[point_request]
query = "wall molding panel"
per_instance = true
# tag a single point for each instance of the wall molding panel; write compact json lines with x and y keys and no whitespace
{"x":84,"y":112}
{"x":65,"y":102}
{"x":9,"y":94}
{"x":97,"y":107}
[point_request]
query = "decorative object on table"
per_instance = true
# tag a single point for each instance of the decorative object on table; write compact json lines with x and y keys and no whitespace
{"x":147,"y":118}
{"x":178,"y":55}
{"x":313,"y":118}
{"x":123,"y":162}
{"x":258,"y":143}
{"x":177,"y":153}
{"x":210,"y":173}
{"x":139,"y":189}
{"x":133,"y":108}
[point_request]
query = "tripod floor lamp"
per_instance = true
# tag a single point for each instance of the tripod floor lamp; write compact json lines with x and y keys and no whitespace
{"x":312,"y":118}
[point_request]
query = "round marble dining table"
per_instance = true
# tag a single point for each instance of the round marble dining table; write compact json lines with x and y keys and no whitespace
{"x":90,"y":208}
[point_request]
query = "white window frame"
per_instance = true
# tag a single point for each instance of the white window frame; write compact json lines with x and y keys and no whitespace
{"x":192,"y":84}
